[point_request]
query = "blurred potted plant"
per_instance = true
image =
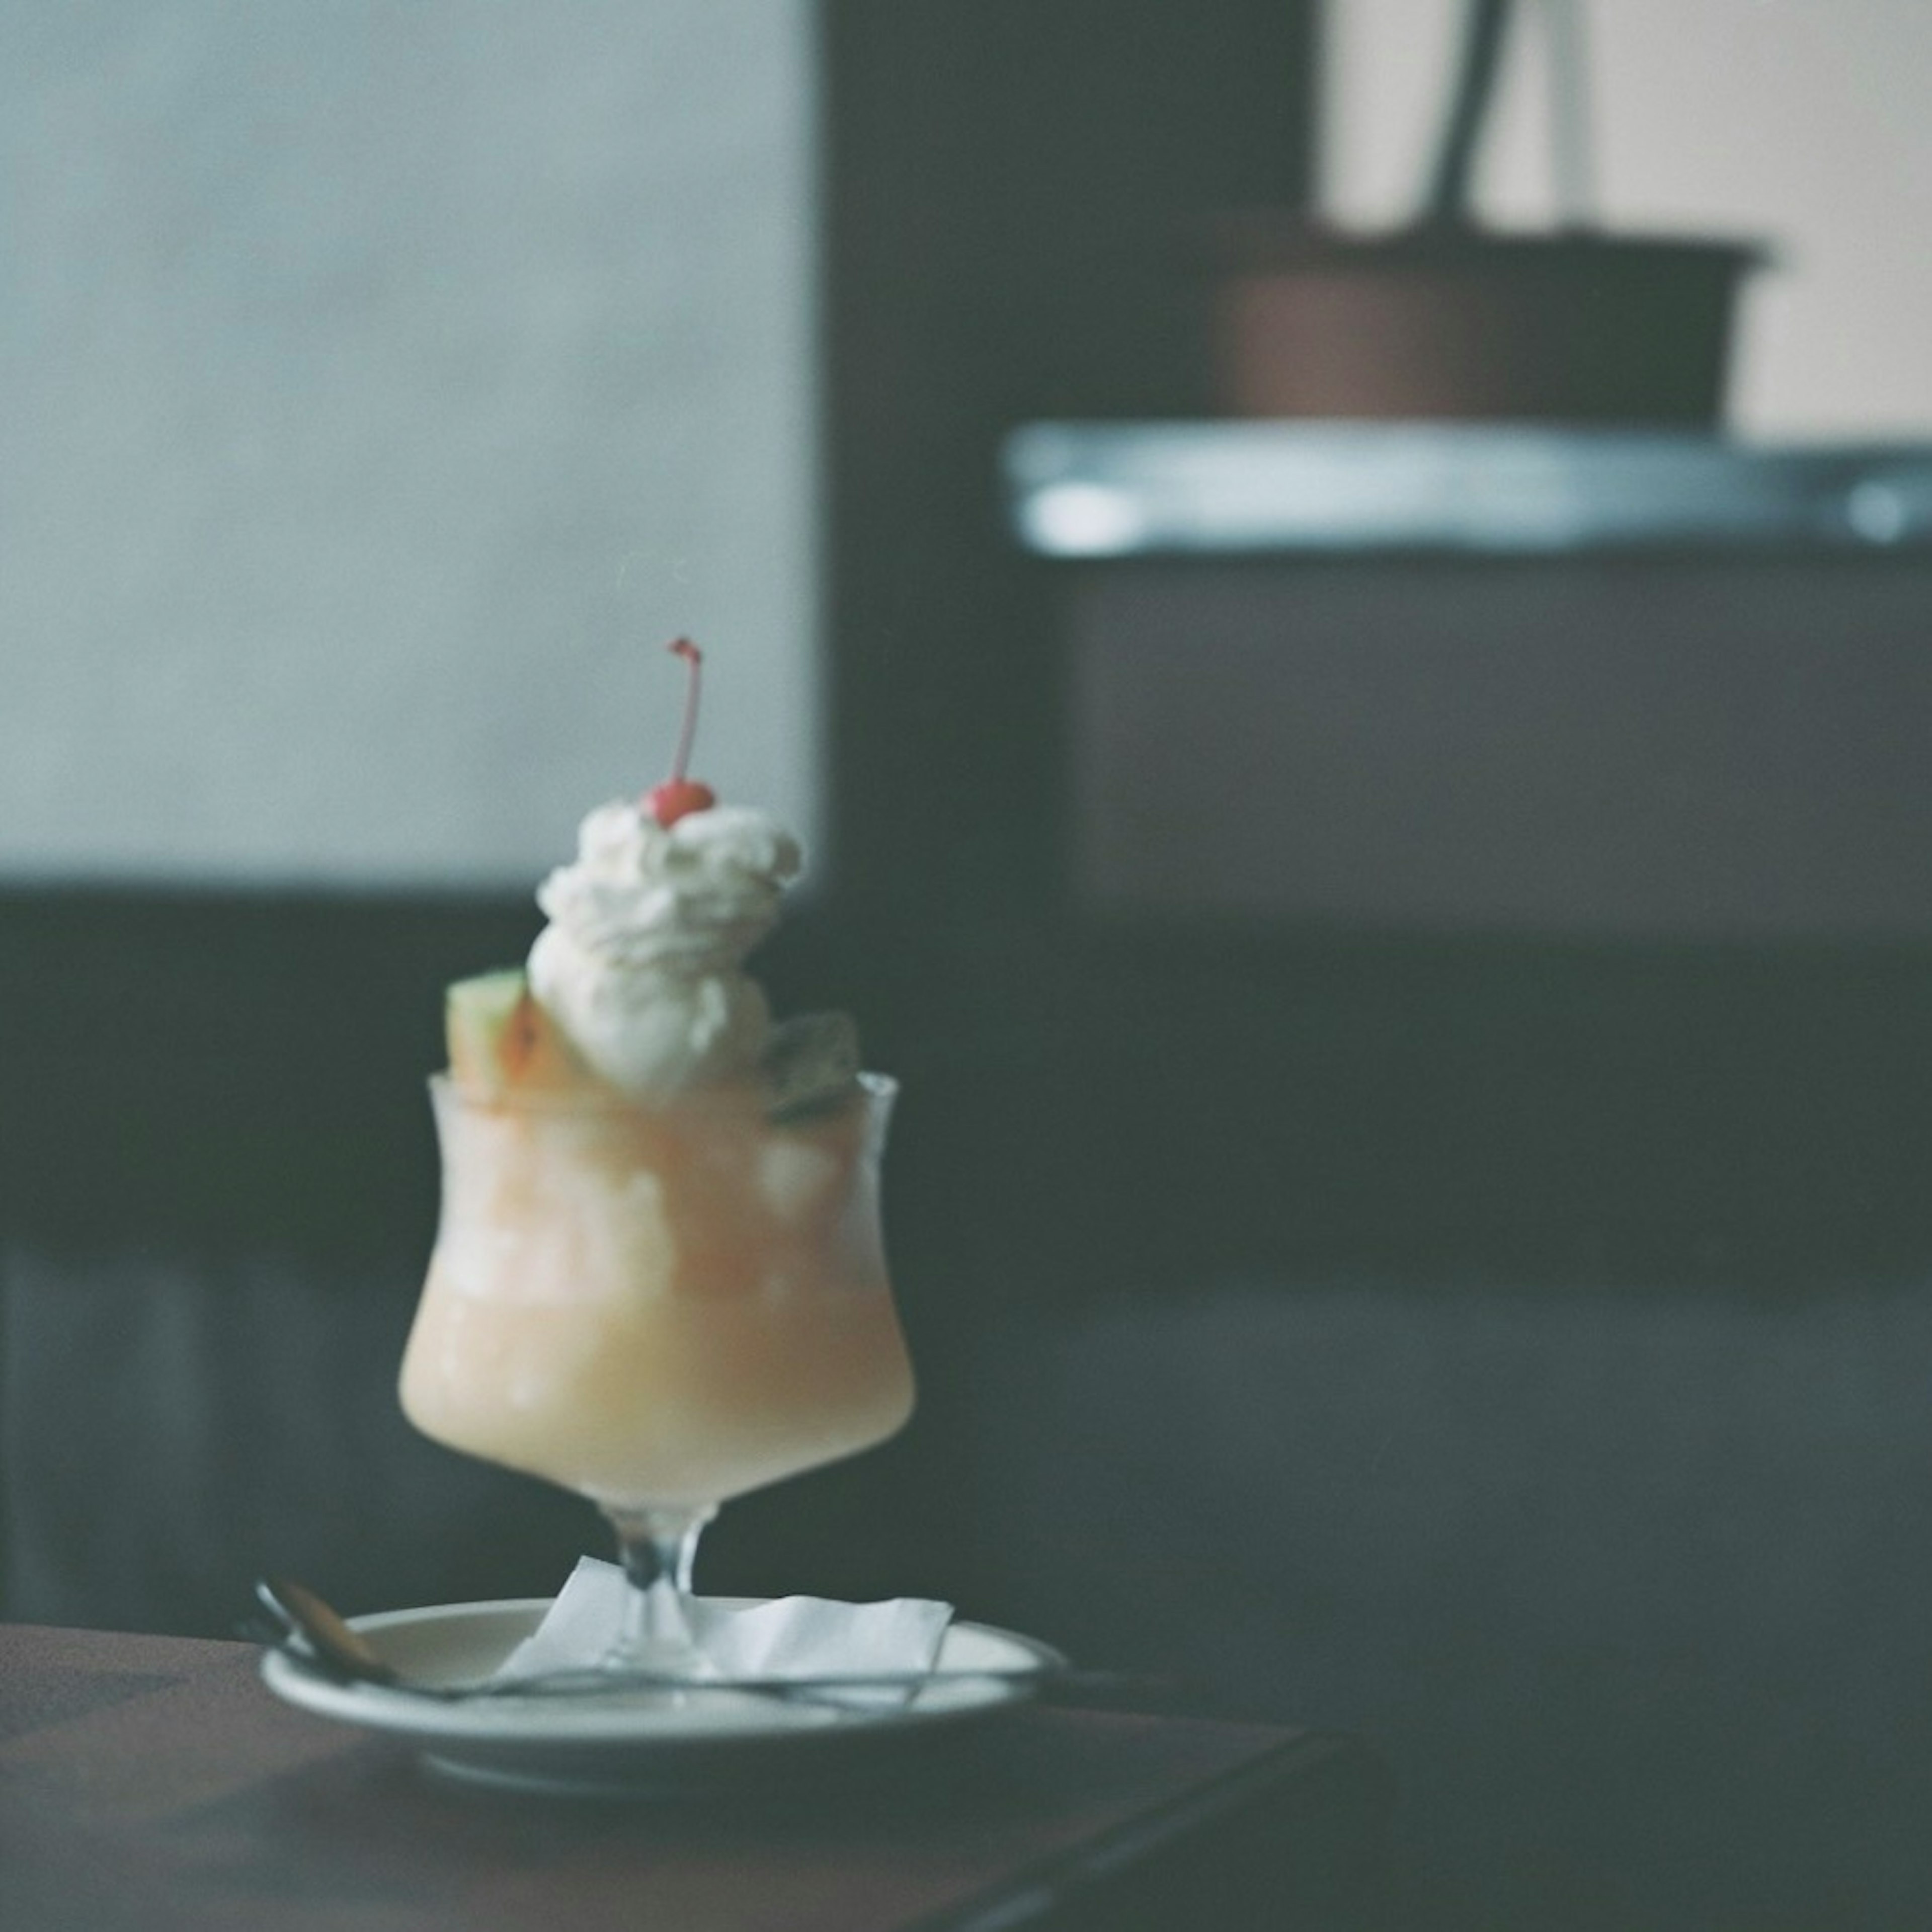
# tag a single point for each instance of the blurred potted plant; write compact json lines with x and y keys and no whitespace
{"x":1449,"y":318}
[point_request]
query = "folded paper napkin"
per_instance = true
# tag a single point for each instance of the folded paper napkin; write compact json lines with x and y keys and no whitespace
{"x":790,"y":1636}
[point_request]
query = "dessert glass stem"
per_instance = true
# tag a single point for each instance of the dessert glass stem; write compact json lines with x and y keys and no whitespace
{"x":656,"y":1546}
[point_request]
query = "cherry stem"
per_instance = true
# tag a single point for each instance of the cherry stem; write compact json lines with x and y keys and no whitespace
{"x":693,"y":657}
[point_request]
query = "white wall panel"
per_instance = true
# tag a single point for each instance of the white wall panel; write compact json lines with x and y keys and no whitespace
{"x":381,"y":385}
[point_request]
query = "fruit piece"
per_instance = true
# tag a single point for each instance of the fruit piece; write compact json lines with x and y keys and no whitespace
{"x":669,"y":802}
{"x":810,"y":1065}
{"x":501,"y":1039}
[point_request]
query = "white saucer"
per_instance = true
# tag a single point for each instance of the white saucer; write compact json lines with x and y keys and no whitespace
{"x":632,"y":1741}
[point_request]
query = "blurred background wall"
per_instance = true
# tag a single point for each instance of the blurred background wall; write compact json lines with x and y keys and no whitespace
{"x":383,"y":385}
{"x":381,"y":391}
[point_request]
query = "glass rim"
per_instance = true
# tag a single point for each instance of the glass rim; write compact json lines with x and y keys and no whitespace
{"x":719,"y":1099}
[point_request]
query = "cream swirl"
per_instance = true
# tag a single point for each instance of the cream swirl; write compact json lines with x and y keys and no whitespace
{"x":640,"y":964}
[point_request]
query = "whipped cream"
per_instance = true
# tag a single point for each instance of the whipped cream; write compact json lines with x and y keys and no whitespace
{"x":641,"y":963}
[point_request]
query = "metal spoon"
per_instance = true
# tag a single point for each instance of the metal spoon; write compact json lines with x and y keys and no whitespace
{"x":333,"y":1648}
{"x":317,"y":1637}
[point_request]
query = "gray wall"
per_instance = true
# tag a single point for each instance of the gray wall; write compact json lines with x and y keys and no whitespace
{"x":382,"y":386}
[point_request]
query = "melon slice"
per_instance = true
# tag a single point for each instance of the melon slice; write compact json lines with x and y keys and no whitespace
{"x":503,"y":1041}
{"x":811,"y":1065}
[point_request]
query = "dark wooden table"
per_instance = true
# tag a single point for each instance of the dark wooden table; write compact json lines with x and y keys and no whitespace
{"x":153,"y":1782}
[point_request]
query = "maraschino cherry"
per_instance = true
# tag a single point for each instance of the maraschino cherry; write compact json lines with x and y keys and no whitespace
{"x":669,"y":802}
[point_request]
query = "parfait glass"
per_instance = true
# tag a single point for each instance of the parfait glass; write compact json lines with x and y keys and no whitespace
{"x":659,"y":1308}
